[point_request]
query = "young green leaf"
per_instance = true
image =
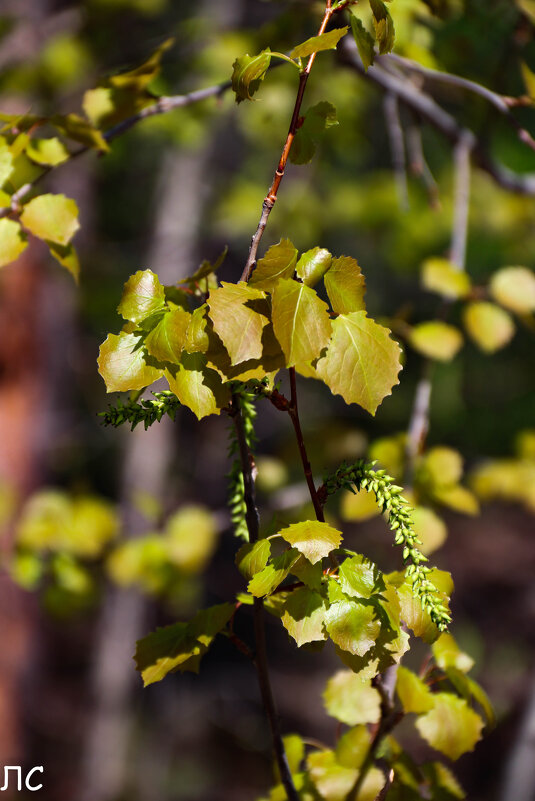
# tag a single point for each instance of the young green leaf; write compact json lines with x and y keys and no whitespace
{"x":304,"y":615}
{"x":67,"y":256}
{"x":12,"y":241}
{"x":300,"y":321}
{"x":351,"y":700}
{"x":313,"y":265}
{"x":252,"y":557}
{"x":48,"y":152}
{"x":53,"y":218}
{"x":415,"y":696}
{"x":353,"y":626}
{"x":6,"y":161}
{"x":197,"y":386}
{"x":451,"y":726}
{"x":167,"y":339}
{"x":236,"y":322}
{"x":362,"y":361}
{"x":360,"y":578}
{"x":364,"y":41}
{"x":142,"y":295}
{"x":436,"y":340}
{"x":384,"y":26}
{"x":448,"y":654}
{"x":312,"y":538}
{"x":325,"y":41}
{"x":345,"y":285}
{"x":352,"y":747}
{"x":122,"y":364}
{"x":316,"y":121}
{"x":279,"y":262}
{"x":268,"y":579}
{"x":80,"y":130}
{"x":491,"y":327}
{"x":248,"y":73}
{"x":514,"y":288}
{"x":444,"y":278}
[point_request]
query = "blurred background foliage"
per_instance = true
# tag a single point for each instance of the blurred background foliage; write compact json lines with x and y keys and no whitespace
{"x":109,"y":533}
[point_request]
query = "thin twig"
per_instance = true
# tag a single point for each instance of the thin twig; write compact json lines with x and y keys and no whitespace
{"x":397,"y":147}
{"x":253,"y":525}
{"x":501,"y":103}
{"x":293,"y":411}
{"x":419,"y":421}
{"x":418,"y":163}
{"x":271,"y":197}
{"x":461,"y":205}
{"x":423,"y":105}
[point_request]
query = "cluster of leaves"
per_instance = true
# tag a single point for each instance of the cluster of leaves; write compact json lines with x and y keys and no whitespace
{"x":243,"y":332}
{"x":61,"y":538}
{"x":28,"y":152}
{"x":510,"y":479}
{"x":486,"y":313}
{"x":445,"y":719}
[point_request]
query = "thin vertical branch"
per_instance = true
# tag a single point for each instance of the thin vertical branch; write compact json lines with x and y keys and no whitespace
{"x":293,"y":411}
{"x":461,"y":156}
{"x":271,"y":197}
{"x":397,"y":147}
{"x":418,"y":163}
{"x":253,"y":525}
{"x":419,"y":420}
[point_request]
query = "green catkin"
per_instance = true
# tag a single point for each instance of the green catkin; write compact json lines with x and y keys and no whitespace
{"x":146,"y":411}
{"x":362,"y":475}
{"x":236,"y":489}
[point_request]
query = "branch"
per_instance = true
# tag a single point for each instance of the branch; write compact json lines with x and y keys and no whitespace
{"x":271,"y":197}
{"x":501,"y":103}
{"x":461,"y":204}
{"x":261,"y":662}
{"x":397,"y":147}
{"x":424,"y":105}
{"x":294,"y":416}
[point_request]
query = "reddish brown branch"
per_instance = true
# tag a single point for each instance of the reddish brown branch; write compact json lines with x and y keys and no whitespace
{"x":293,"y":411}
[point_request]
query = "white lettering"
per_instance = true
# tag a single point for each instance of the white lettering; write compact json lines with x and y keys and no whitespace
{"x":35,"y":786}
{"x":6,"y":779}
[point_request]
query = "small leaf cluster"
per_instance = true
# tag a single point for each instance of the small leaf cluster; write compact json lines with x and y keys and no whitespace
{"x":249,"y":331}
{"x":362,"y":475}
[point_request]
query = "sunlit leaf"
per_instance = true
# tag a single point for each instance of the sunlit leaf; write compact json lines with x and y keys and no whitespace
{"x":67,"y":256}
{"x":122,"y":364}
{"x":444,"y":278}
{"x":309,"y":134}
{"x":362,"y":361}
{"x":414,"y":695}
{"x":514,"y":288}
{"x":312,"y":538}
{"x":458,"y":498}
{"x":442,"y":466}
{"x":191,"y":553}
{"x":49,"y":152}
{"x":345,"y":285}
{"x":304,"y":614}
{"x":6,"y":161}
{"x":384,"y":26}
{"x":279,"y":262}
{"x":360,"y":578}
{"x":300,"y":321}
{"x":268,"y":579}
{"x":80,"y":130}
{"x":488,"y":325}
{"x":351,"y":700}
{"x":197,"y":386}
{"x":436,"y":340}
{"x":353,"y":626}
{"x":325,"y":41}
{"x":448,"y":654}
{"x":358,"y":506}
{"x":167,"y":339}
{"x":142,"y":295}
{"x":451,"y":727}
{"x":53,"y":218}
{"x":238,"y":324}
{"x":12,"y":241}
{"x":313,"y":265}
{"x":352,"y":747}
{"x":252,"y":557}
{"x":248,"y":73}
{"x":430,"y":529}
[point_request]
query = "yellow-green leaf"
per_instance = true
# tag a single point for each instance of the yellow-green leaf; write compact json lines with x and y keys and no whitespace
{"x":191,"y":553}
{"x":353,"y":626}
{"x":351,"y":700}
{"x":458,"y":498}
{"x":80,"y":130}
{"x":279,"y":262}
{"x":122,"y":364}
{"x":312,"y":265}
{"x":252,"y":557}
{"x":514,"y":288}
{"x":67,"y":256}
{"x":444,"y":278}
{"x":362,"y":361}
{"x":345,"y":285}
{"x":248,"y":73}
{"x":236,"y":321}
{"x":167,"y":339}
{"x":12,"y":241}
{"x":489,"y":326}
{"x":352,"y":747}
{"x":360,"y":578}
{"x":268,"y":579}
{"x":415,"y":696}
{"x":197,"y":386}
{"x":451,"y":727}
{"x":6,"y":161}
{"x":53,"y":218}
{"x":49,"y":152}
{"x":364,"y":41}
{"x":442,"y":466}
{"x":304,"y":615}
{"x":436,"y":340}
{"x":448,"y":654}
{"x":325,"y":41}
{"x":312,"y":538}
{"x":142,"y":295}
{"x":358,"y":506}
{"x":300,"y":321}
{"x":430,"y":529}
{"x":384,"y":26}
